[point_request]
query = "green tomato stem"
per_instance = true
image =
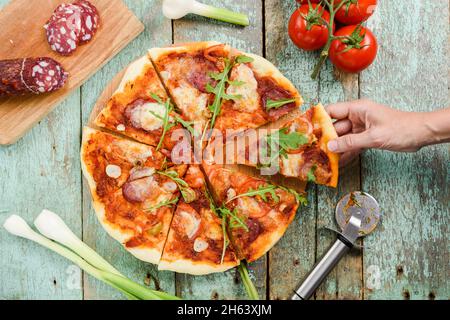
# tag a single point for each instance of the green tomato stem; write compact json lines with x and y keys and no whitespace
{"x":220,"y":14}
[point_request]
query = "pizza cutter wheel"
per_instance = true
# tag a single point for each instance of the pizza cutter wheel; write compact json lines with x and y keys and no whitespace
{"x":357,"y":214}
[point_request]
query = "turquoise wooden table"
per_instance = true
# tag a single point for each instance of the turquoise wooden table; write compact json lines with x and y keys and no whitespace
{"x":406,"y":258}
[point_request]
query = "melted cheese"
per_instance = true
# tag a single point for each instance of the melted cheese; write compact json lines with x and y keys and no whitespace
{"x":249,"y":206}
{"x":291,"y":165}
{"x":142,"y":116}
{"x":192,"y":102}
{"x":249,"y":101}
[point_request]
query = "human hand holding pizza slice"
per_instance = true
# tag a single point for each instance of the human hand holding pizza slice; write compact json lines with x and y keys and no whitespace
{"x":364,"y":124}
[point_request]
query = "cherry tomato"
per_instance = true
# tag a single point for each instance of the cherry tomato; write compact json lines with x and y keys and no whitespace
{"x":306,"y":29}
{"x":356,"y":11}
{"x":356,"y":52}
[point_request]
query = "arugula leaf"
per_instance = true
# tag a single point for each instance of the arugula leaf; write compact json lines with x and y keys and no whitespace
{"x":273,"y":104}
{"x":219,"y":89}
{"x":310,"y":175}
{"x":300,"y":198}
{"x":228,"y":219}
{"x":187,"y":193}
{"x":167,"y":125}
{"x":234,"y":220}
{"x":166,"y":203}
{"x":243,"y":59}
{"x":260,"y":191}
{"x":178,"y":119}
{"x":281,"y":142}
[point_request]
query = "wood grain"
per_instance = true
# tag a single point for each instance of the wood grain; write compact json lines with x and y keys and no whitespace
{"x":408,"y":258}
{"x":27,"y":39}
{"x":345,"y":281}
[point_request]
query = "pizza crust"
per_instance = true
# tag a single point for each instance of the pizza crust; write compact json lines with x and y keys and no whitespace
{"x":328,"y":133}
{"x":194,"y":268}
{"x":143,"y":253}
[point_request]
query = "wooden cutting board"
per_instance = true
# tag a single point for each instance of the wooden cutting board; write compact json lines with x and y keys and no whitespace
{"x":22,"y":35}
{"x":293,"y":183}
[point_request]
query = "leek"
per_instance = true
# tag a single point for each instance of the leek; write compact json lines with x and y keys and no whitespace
{"x":87,"y":259}
{"x":176,"y":9}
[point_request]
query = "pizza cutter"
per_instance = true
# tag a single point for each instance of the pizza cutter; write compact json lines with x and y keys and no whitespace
{"x":357,"y":215}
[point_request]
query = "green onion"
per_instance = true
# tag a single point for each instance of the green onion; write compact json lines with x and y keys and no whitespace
{"x":176,"y":9}
{"x":79,"y":253}
{"x":248,"y":284}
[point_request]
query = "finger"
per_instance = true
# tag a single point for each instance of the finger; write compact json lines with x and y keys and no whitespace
{"x":351,"y":142}
{"x":341,"y":110}
{"x":348,"y":157}
{"x":343,"y":127}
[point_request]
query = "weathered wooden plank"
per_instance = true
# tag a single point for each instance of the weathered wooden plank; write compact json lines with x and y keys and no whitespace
{"x":345,"y":281}
{"x":408,"y":256}
{"x":193,"y":28}
{"x":157,"y":33}
{"x":294,"y":255}
{"x":40,"y":171}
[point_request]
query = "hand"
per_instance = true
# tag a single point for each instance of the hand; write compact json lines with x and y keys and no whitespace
{"x":364,"y":124}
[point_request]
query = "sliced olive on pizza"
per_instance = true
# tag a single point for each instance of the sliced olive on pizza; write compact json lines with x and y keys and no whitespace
{"x":134,"y":191}
{"x":257,"y":212}
{"x":197,"y":243}
{"x":189,"y":72}
{"x":141,"y":109}
{"x":257,"y":93}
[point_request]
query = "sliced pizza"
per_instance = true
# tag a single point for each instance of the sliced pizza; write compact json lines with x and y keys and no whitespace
{"x":197,"y":243}
{"x":257,"y":93}
{"x":295,"y":147}
{"x":141,"y":109}
{"x":188,"y":72}
{"x":257,"y":212}
{"x":134,"y":191}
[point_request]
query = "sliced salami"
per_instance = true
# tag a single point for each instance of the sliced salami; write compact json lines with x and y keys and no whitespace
{"x":71,"y":25}
{"x":31,"y":75}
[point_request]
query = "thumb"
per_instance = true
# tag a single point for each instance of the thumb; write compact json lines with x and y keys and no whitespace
{"x":350,"y":142}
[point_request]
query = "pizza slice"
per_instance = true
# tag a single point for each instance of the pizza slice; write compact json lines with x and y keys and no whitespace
{"x":187,"y":72}
{"x":134,"y":190}
{"x":197,"y":243}
{"x":257,"y":93}
{"x":257,"y":212}
{"x":294,"y":147}
{"x":141,"y":109}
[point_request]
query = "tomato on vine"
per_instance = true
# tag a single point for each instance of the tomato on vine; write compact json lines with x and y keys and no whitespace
{"x":307,"y":27}
{"x":355,"y":11}
{"x":354,"y":49}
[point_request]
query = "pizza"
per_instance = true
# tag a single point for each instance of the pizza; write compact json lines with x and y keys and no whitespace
{"x":254,"y":92}
{"x":257,"y":211}
{"x":140,"y":108}
{"x":133,"y":199}
{"x":186,"y":72}
{"x":295,"y":147}
{"x":259,"y":94}
{"x":196,"y":243}
{"x":202,"y":217}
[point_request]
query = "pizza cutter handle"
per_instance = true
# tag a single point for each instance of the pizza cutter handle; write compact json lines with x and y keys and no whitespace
{"x":322,"y":269}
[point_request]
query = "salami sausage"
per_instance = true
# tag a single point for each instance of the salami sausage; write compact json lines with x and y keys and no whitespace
{"x":30,"y":75}
{"x":90,"y":20}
